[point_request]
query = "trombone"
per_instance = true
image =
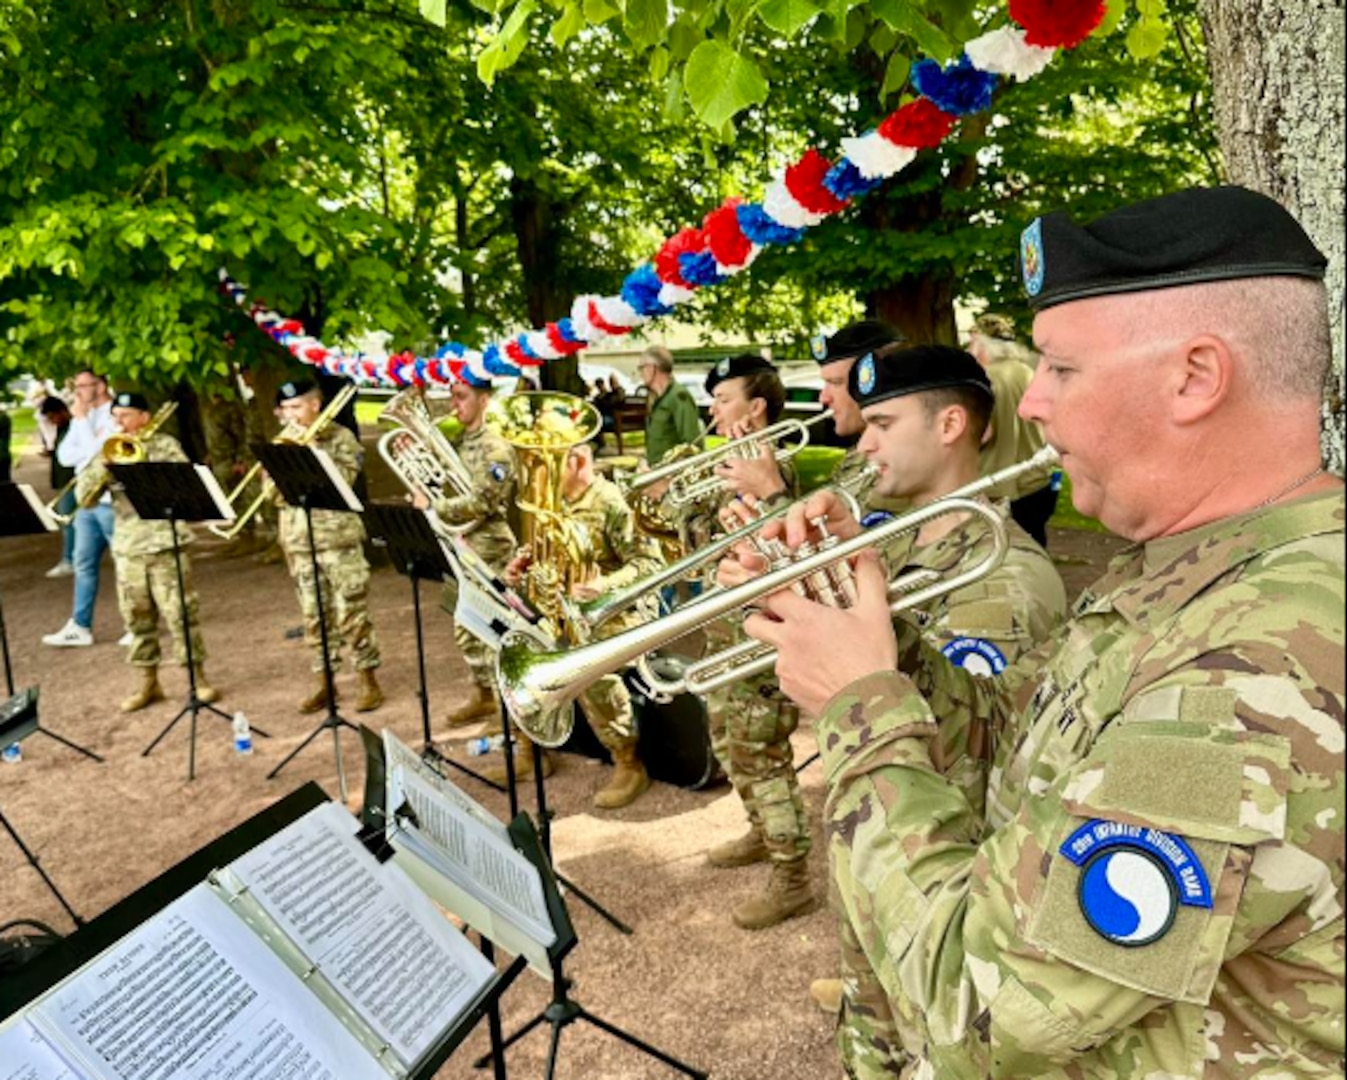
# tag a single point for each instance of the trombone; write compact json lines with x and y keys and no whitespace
{"x":289,"y":435}
{"x":538,"y":684}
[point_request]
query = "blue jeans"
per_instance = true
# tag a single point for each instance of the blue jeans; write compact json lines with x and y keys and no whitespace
{"x":65,"y":506}
{"x":93,"y":534}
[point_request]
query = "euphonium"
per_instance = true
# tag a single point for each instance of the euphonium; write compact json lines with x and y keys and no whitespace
{"x":120,"y":448}
{"x":538,"y":684}
{"x":289,"y":435}
{"x":419,"y":454}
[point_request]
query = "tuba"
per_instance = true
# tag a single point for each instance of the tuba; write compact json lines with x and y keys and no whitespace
{"x":538,"y":683}
{"x":120,"y":448}
{"x":293,"y":436}
{"x":417,"y":451}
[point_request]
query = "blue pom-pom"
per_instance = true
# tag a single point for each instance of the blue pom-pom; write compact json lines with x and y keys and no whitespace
{"x":699,"y":268}
{"x":524,"y":348}
{"x":959,"y":89}
{"x":641,"y":291}
{"x":845,"y":180}
{"x":494,"y":362}
{"x":566,"y":328}
{"x":755,"y":224}
{"x":452,"y":348}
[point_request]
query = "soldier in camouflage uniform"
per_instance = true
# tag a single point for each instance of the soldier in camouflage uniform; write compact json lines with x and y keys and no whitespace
{"x":147,"y":577}
{"x":343,"y":571}
{"x":1155,"y":885}
{"x":621,"y":556}
{"x":490,"y":461}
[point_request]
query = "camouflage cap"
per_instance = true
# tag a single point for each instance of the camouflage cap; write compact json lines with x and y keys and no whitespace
{"x":994,"y":326}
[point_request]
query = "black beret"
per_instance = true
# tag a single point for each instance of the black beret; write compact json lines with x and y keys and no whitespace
{"x":735,"y":367}
{"x":295,"y":389}
{"x":131,"y":400}
{"x":854,"y":339}
{"x":1202,"y":234}
{"x":912,"y":370}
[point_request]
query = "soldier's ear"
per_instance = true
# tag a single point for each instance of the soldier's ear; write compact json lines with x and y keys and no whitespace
{"x":1203,"y":371}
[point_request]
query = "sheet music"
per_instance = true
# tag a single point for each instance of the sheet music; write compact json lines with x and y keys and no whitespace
{"x":194,"y":995}
{"x":398,"y":755}
{"x":380,"y":943}
{"x":25,"y":1055}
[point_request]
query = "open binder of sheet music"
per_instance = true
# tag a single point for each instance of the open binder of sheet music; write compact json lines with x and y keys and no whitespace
{"x":463,"y":858}
{"x":306,"y":959}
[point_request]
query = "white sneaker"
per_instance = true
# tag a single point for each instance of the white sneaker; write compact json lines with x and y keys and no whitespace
{"x":62,"y":569}
{"x":71,"y":635}
{"x":127,"y":640}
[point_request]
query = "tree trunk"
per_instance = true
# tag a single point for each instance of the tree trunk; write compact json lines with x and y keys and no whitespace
{"x":1277,"y":75}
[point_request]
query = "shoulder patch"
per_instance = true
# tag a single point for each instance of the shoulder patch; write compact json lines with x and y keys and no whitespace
{"x":499,"y":472}
{"x":875,"y":517}
{"x":976,"y":655}
{"x":1133,"y":879}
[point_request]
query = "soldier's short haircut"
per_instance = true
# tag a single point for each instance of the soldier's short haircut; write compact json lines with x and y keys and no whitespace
{"x":663,"y":358}
{"x":766,"y":385}
{"x":975,"y":404}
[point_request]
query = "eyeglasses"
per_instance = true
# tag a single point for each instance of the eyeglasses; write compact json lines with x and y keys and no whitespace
{"x":85,"y":385}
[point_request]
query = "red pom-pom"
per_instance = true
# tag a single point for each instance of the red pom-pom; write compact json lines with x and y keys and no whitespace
{"x":685,"y":241}
{"x":804,"y":181}
{"x":559,"y":342}
{"x":919,"y":125}
{"x":726,"y":240}
{"x":288,"y":326}
{"x":1057,"y":24}
{"x":516,"y":353}
{"x":315,"y":354}
{"x":599,"y":323}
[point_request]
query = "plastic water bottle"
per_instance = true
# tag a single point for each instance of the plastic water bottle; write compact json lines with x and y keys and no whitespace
{"x":484,"y":744}
{"x":12,"y":754}
{"x":243,"y":735}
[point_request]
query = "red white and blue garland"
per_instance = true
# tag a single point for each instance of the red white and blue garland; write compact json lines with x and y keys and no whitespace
{"x":731,"y":236}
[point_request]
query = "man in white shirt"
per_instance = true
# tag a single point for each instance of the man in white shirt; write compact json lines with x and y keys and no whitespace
{"x":90,"y":425}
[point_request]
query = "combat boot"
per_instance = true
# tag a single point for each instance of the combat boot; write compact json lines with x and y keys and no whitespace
{"x":371,"y":697}
{"x":317,"y":698}
{"x":827,"y":995}
{"x":482,"y":705}
{"x":743,"y":851}
{"x":628,"y":782}
{"x":787,"y":895}
{"x":205,"y":693}
{"x":525,"y":758}
{"x":150,"y":691}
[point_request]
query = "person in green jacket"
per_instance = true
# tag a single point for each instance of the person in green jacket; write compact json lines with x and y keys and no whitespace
{"x":671,"y":415}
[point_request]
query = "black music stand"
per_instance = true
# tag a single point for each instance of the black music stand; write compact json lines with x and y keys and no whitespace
{"x":307,"y":478}
{"x":417,"y":551}
{"x":175,"y":491}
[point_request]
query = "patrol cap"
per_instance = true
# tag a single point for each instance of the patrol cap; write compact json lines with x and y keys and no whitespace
{"x":736,"y":367}
{"x":994,"y":326}
{"x":854,"y":339}
{"x":910,"y":371}
{"x":1187,"y":237}
{"x":294,"y":389}
{"x":129,"y":399}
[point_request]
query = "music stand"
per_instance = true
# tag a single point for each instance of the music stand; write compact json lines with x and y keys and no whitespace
{"x":417,"y":551}
{"x":307,"y":478}
{"x":175,"y":491}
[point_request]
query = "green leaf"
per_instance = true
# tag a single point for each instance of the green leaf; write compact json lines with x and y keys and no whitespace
{"x":1113,"y":13}
{"x":882,"y":39}
{"x":788,"y":17}
{"x":1146,"y":39}
{"x":721,"y":83}
{"x":599,"y":11}
{"x":857,"y":25}
{"x":895,"y":74}
{"x":739,"y":12}
{"x":683,"y":38}
{"x":646,"y":21}
{"x":659,"y":63}
{"x":571,"y":20}
{"x":673,"y":96}
{"x":508,"y":45}
{"x":907,"y":18}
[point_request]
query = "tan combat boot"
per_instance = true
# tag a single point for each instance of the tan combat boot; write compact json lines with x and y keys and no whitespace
{"x":525,"y":757}
{"x":827,"y":995}
{"x":205,"y":693}
{"x":628,"y":782}
{"x":742,"y":851}
{"x":317,"y":698}
{"x":482,"y":705}
{"x":371,"y":697}
{"x":787,"y":895}
{"x":150,"y":691}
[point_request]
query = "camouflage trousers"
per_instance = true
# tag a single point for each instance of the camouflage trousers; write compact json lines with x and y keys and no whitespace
{"x":607,"y":705}
{"x":344,"y":575}
{"x":480,"y":657}
{"x":751,"y":723}
{"x":147,"y":587}
{"x":867,"y":1037}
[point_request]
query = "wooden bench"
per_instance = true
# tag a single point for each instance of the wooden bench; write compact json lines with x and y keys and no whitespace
{"x":628,"y":419}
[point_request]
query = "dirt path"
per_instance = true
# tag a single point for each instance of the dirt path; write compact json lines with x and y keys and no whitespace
{"x":687,"y":980}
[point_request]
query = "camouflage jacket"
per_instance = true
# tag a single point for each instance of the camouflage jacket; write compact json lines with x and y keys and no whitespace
{"x":331,"y":528}
{"x":621,"y":554}
{"x":490,"y":461}
{"x":1156,"y":888}
{"x":132,"y":535}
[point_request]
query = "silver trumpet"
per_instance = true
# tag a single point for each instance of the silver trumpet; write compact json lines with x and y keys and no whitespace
{"x":539,"y":684}
{"x":417,"y":451}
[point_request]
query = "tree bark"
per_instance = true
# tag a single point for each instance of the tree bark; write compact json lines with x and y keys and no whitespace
{"x":1277,"y":75}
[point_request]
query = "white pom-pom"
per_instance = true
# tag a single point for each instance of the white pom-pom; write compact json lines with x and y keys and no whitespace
{"x":875,"y":157}
{"x":540,"y":345}
{"x":780,"y":205}
{"x":673,"y":295}
{"x":617,"y":312}
{"x":1004,"y":52}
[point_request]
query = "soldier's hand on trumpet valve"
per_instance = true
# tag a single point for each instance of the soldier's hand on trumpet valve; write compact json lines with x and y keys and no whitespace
{"x":587,"y":590}
{"x":759,"y":475}
{"x":822,"y":650}
{"x":516,"y":568}
{"x":800,"y":521}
